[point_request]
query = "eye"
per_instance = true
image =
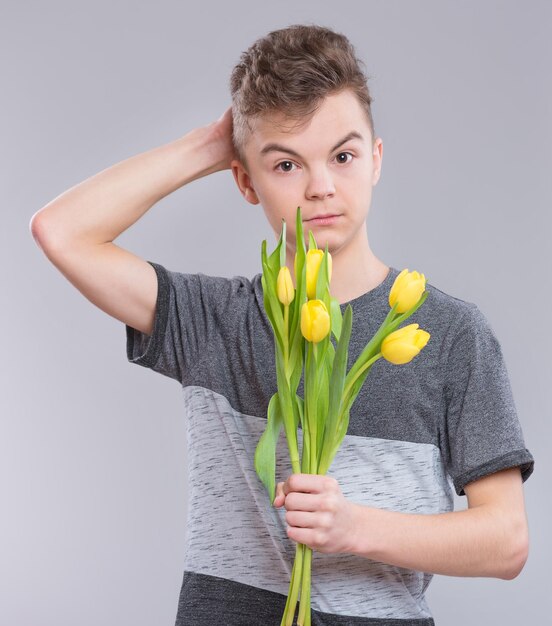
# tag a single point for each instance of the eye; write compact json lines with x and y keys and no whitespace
{"x":291,"y":163}
{"x":349,"y":153}
{"x":281,"y":163}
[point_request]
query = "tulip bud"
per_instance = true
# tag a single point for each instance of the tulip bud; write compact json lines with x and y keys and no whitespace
{"x":284,"y":284}
{"x":406,"y":290}
{"x":402,"y":345}
{"x":314,"y":259}
{"x":315,"y":320}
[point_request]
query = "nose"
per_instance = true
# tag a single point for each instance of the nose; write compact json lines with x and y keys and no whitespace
{"x":320,"y":185}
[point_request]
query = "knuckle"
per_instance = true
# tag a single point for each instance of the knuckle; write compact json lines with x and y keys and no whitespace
{"x":320,"y":539}
{"x":329,"y":503}
{"x":328,"y":520}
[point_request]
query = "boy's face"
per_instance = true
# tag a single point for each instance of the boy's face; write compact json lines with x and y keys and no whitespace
{"x":308,"y":170}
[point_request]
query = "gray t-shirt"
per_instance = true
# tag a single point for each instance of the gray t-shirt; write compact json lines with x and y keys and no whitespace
{"x":416,"y":432}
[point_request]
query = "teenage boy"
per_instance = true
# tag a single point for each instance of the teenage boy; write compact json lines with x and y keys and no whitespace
{"x":381,"y":522}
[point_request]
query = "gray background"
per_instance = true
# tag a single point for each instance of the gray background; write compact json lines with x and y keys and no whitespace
{"x":93,"y":450}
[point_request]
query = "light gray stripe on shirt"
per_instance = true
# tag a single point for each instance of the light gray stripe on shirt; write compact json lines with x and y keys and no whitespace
{"x":234,"y":532}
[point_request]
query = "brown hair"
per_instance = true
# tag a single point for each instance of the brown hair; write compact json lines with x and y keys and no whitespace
{"x":290,"y":71}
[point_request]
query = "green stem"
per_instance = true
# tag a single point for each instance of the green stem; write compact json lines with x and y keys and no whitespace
{"x":291,"y":437}
{"x":308,"y":615}
{"x":304,"y":617}
{"x":356,"y":376}
{"x":294,"y":586}
{"x":313,"y":424}
{"x":387,"y":326}
{"x":289,"y":426}
{"x":286,"y":339}
{"x":346,"y":399}
{"x":327,"y":458}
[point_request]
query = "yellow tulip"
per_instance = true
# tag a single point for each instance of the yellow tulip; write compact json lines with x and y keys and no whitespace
{"x":315,"y":320}
{"x":314,"y":259}
{"x":402,"y":345}
{"x":284,"y":284}
{"x":407,"y":290}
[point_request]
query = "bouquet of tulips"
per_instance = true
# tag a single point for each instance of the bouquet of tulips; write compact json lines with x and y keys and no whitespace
{"x":303,"y":319}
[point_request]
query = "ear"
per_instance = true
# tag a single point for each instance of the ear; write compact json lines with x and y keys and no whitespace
{"x":377,"y":156}
{"x":243,"y":181}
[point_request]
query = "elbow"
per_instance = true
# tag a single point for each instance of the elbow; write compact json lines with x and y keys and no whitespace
{"x":38,"y":228}
{"x":518,"y":559}
{"x":33,"y":226}
{"x":45,"y":233}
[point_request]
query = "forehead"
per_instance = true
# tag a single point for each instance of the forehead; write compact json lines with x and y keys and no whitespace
{"x":337,"y":119}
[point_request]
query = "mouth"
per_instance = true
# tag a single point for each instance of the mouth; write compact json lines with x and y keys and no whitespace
{"x":327,"y":219}
{"x":322,"y":216}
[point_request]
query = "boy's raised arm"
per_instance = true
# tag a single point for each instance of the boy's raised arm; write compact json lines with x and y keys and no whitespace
{"x":76,"y":229}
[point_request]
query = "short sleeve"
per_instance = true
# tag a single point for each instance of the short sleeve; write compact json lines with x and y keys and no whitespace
{"x":195,"y":313}
{"x":483,"y":432}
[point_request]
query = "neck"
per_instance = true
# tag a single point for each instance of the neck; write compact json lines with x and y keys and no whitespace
{"x":355,"y":268}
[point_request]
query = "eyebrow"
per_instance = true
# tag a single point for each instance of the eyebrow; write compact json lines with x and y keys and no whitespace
{"x":276,"y":147}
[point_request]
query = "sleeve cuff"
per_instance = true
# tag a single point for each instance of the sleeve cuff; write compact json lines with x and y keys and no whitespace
{"x":522,"y":458}
{"x":145,"y":349}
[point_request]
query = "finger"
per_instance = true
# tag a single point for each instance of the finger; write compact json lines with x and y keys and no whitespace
{"x":296,"y":501}
{"x":302,"y":519}
{"x":301,"y":535}
{"x":308,"y":483}
{"x":280,"y":496}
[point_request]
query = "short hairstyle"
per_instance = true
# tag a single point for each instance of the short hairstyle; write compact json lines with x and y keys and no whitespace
{"x":289,"y":72}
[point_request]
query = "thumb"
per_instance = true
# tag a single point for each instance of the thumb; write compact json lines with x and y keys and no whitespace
{"x":280,"y":497}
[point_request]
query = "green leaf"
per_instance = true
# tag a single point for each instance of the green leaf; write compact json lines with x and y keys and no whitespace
{"x":276,"y":320}
{"x":336,"y":317}
{"x":265,"y":452}
{"x":312,"y":241}
{"x":283,"y":247}
{"x":296,"y":340}
{"x":341,"y":432}
{"x":347,"y":404}
{"x":330,"y":356}
{"x":275,"y":258}
{"x":344,"y":424}
{"x":296,"y":361}
{"x":273,"y":307}
{"x":336,"y":387}
{"x":300,"y":283}
{"x":300,"y":407}
{"x":322,"y":280}
{"x":322,"y":411}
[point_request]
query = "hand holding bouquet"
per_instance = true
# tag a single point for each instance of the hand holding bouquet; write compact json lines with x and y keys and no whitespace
{"x":304,"y":319}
